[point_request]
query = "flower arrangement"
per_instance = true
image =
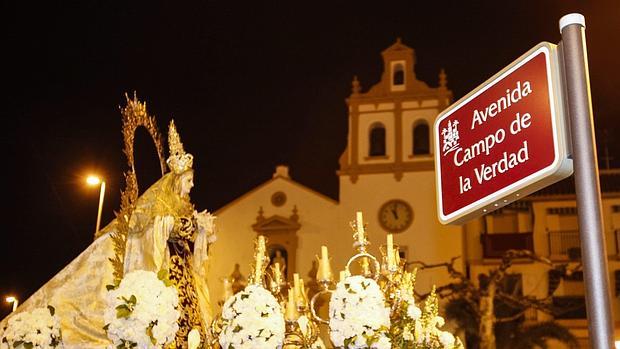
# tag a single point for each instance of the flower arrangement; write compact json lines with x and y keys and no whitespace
{"x":38,"y":329}
{"x":358,"y":315}
{"x":142,"y":311}
{"x":413,"y":327}
{"x":427,"y":332}
{"x":252,"y":318}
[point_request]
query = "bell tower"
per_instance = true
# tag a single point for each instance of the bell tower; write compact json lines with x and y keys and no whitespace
{"x":389,"y":125}
{"x":387,"y":168}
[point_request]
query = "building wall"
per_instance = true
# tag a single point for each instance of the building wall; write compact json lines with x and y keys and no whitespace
{"x":425,"y":240}
{"x":317,"y":217}
{"x":549,"y":214}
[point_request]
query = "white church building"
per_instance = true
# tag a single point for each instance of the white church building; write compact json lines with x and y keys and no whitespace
{"x":386,"y":171}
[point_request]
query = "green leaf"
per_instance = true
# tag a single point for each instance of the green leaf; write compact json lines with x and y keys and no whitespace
{"x":52,"y":310}
{"x":348,"y":341}
{"x":122,"y":311}
{"x":105,"y":328}
{"x":17,"y":344}
{"x":149,"y":332}
{"x":110,"y":287}
{"x":237,"y":329}
{"x":28,"y":345}
{"x":162,"y":274}
{"x":133,"y":300}
{"x":126,"y":344}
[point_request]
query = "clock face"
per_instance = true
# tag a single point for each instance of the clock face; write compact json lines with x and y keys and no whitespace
{"x":395,"y":216}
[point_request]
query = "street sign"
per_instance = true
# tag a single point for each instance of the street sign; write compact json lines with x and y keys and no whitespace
{"x":504,"y":140}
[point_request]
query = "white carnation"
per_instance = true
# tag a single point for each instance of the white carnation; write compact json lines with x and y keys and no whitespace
{"x":357,"y":311}
{"x":414,"y":312}
{"x":149,"y":311}
{"x":252,"y":319}
{"x":446,"y":339}
{"x":40,"y":329}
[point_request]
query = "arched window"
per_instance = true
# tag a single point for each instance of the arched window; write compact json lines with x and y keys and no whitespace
{"x":421,"y":144}
{"x":377,"y":140}
{"x":398,"y":77}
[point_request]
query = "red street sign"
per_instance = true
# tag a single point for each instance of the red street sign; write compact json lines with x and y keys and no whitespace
{"x":504,"y":140}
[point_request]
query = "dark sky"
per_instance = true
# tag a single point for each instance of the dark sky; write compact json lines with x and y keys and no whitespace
{"x":250,"y":86}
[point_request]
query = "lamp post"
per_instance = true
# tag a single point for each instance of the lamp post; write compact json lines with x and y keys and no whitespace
{"x":13,"y":300}
{"x":94,"y":180}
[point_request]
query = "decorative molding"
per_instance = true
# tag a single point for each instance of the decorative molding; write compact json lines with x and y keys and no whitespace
{"x":281,"y":232}
{"x":398,"y":170}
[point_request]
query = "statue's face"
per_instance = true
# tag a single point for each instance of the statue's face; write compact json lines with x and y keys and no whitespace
{"x":187,"y":183}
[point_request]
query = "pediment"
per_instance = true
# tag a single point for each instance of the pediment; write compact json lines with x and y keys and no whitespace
{"x":276,"y":223}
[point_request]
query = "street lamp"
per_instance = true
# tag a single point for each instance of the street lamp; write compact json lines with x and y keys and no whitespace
{"x":94,"y":180}
{"x":13,"y":300}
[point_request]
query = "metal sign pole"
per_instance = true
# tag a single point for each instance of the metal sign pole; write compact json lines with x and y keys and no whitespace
{"x":587,"y":186}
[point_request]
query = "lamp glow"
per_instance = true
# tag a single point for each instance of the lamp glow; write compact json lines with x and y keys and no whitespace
{"x":11,"y":299}
{"x":93,"y":180}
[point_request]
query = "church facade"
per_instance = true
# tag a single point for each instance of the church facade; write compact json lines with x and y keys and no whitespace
{"x":386,"y":172}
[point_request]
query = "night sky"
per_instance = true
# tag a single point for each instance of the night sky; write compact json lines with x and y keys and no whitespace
{"x":250,"y":86}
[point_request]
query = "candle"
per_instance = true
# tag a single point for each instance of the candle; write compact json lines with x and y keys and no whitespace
{"x":324,"y":255}
{"x":319,"y":273}
{"x":360,"y":227}
{"x":291,"y":307}
{"x":325,"y":269}
{"x":302,"y":294}
{"x":228,"y":291}
{"x":390,"y":251}
{"x":296,"y":286}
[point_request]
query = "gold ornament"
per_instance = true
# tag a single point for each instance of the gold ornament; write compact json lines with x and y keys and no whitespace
{"x":179,"y":161}
{"x":134,"y":115}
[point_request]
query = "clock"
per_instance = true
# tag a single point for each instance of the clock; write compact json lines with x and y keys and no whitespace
{"x":395,"y":216}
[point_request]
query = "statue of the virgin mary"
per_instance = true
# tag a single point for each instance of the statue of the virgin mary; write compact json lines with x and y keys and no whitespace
{"x":159,"y":231}
{"x":167,"y":233}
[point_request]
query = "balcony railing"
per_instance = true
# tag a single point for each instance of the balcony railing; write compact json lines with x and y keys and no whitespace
{"x":565,"y":243}
{"x":496,"y":244}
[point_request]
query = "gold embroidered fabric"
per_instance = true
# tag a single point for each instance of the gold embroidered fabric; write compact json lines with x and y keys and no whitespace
{"x":161,"y":235}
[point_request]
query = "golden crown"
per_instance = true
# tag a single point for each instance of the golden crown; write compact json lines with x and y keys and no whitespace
{"x":179,"y":161}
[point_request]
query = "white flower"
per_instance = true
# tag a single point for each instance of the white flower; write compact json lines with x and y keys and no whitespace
{"x":382,"y":343}
{"x":142,"y":310}
{"x":38,"y":328}
{"x":252,"y":319}
{"x":446,"y":339}
{"x":414,"y":312}
{"x":357,"y":311}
